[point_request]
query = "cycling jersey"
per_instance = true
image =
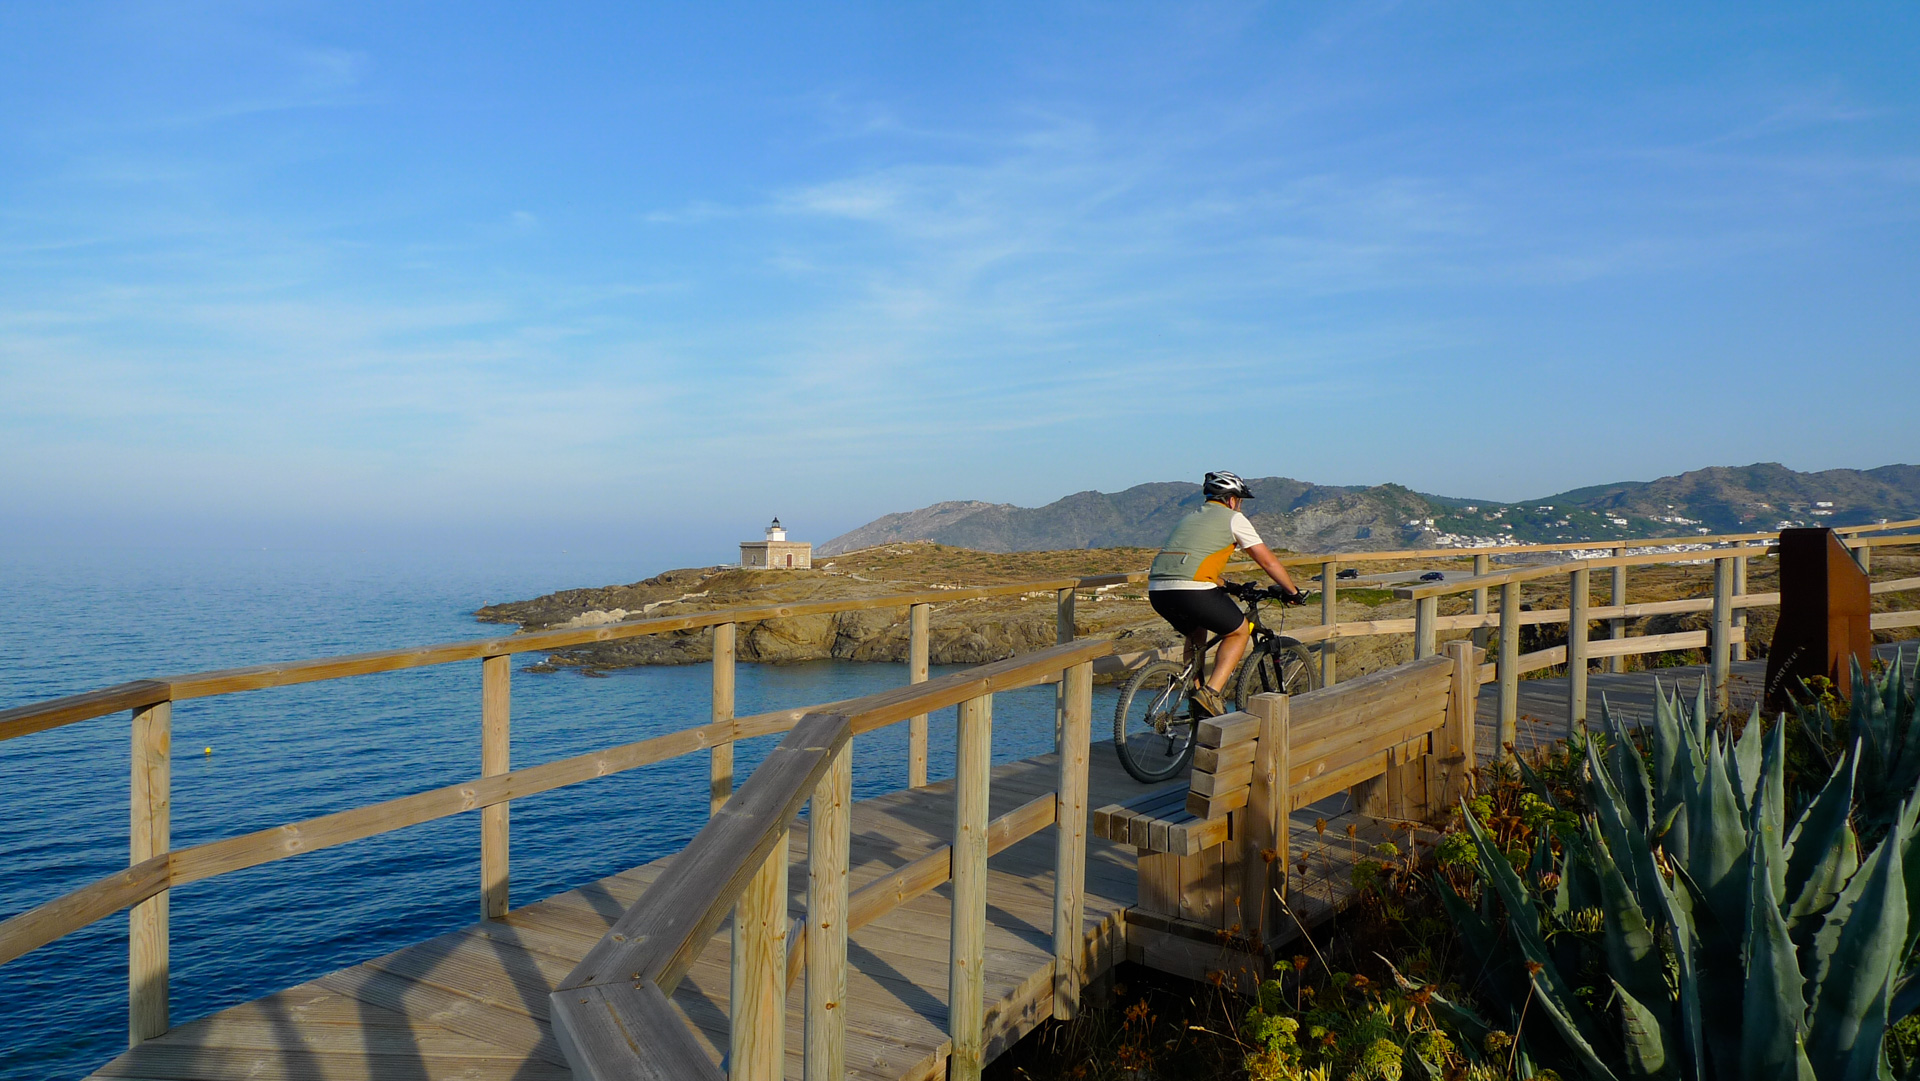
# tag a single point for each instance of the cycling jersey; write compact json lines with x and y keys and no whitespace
{"x":1197,"y":553}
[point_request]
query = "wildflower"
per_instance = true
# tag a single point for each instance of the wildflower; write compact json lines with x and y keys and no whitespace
{"x":1299,"y":963}
{"x":1320,"y":826}
{"x":1534,"y":968}
{"x":1381,"y":1061}
{"x":1550,"y":881}
{"x":1496,"y":1042}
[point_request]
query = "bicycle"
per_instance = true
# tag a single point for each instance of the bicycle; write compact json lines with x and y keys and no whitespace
{"x":1154,"y":721}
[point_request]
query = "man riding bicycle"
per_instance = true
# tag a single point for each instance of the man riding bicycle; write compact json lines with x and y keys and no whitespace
{"x":1184,"y":584}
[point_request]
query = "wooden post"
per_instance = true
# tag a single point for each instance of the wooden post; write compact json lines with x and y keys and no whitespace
{"x":757,"y":1039}
{"x":1070,"y":838}
{"x":151,"y":834}
{"x":1740,"y":614}
{"x":1617,"y":627}
{"x":1425,"y":611}
{"x":720,"y":771}
{"x":1507,"y":734}
{"x":917,"y":617}
{"x":1329,"y":615}
{"x":966,"y":973}
{"x":1481,"y":565}
{"x":1062,"y":634}
{"x":496,"y":690}
{"x":1456,"y":743}
{"x":1863,"y":555}
{"x":1265,"y":834}
{"x":1720,"y":660}
{"x":828,"y":837}
{"x":1578,"y":594}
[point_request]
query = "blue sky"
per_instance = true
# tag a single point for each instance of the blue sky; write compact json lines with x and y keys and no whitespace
{"x":644,"y":276}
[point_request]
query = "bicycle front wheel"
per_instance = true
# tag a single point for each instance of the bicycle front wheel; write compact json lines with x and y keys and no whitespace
{"x":1152,"y":731}
{"x":1284,"y":665}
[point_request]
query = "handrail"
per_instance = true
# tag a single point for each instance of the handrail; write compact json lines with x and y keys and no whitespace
{"x":87,"y":904}
{"x":1548,"y":570}
{"x":623,"y":981}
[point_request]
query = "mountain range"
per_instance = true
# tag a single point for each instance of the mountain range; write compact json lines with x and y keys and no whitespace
{"x":1306,"y":517}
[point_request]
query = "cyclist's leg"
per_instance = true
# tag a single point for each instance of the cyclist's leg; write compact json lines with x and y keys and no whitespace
{"x":1227,"y":657}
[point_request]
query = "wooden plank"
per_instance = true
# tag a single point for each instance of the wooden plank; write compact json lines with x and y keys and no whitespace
{"x":757,"y":1048}
{"x":1200,"y":806}
{"x":1455,"y":761}
{"x":257,"y":677}
{"x":1379,"y":729}
{"x":829,"y":840}
{"x":720,"y":755}
{"x":1885,"y":621}
{"x":918,"y":618}
{"x":1226,"y":730}
{"x":150,"y":836}
{"x":40,"y":716}
{"x":1265,"y":841}
{"x":660,"y":934}
{"x":1897,"y":585}
{"x":1329,"y":616}
{"x":1507,"y":731}
{"x":1071,"y":747}
{"x":496,"y":689}
{"x":1647,"y":643}
{"x":966,"y":1008}
{"x":1212,"y":784}
{"x":1578,"y":594}
{"x":71,"y":911}
{"x":1720,"y":659}
{"x":1330,"y":732}
{"x":265,"y":846}
{"x":1328,"y":705}
{"x":630,"y":1033}
{"x":1528,"y":574}
{"x":1196,"y":834}
{"x":1617,"y":624}
{"x":1222,"y":759}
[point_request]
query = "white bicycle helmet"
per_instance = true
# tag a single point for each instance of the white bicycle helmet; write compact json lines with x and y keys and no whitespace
{"x":1225,"y":485}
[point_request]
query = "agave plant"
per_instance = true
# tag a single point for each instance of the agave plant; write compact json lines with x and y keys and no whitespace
{"x":1690,"y":928}
{"x":1884,"y":716}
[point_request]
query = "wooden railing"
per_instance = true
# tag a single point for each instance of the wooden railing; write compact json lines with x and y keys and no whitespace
{"x":154,"y":867}
{"x":611,"y":1014}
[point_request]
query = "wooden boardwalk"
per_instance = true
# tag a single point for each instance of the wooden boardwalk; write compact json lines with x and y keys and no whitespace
{"x":473,"y":1004}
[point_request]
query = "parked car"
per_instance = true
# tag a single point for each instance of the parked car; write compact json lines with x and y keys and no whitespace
{"x":1350,"y":572}
{"x":1433,"y":576}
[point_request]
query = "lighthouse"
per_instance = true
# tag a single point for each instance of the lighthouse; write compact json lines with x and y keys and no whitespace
{"x":776,"y":552}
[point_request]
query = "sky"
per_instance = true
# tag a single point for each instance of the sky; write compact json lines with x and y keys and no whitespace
{"x":646,"y":275}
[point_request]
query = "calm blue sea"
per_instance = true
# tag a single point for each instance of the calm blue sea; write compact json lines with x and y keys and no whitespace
{"x":75,"y":620}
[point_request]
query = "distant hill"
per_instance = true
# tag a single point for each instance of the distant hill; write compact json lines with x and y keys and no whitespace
{"x":1307,"y":517}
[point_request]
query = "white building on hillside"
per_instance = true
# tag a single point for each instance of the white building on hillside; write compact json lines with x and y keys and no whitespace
{"x":776,"y":552}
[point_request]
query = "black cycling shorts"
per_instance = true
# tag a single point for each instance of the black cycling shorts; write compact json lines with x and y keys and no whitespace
{"x":1197,"y":609}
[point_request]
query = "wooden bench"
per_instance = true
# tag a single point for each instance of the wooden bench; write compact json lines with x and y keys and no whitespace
{"x":1398,"y":741}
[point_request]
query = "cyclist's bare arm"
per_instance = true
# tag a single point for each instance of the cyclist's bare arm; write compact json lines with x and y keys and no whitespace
{"x":1264,"y":557}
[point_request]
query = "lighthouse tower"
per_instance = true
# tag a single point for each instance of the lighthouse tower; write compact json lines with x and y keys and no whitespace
{"x":776,"y":552}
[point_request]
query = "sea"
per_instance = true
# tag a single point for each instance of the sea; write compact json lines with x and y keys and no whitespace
{"x":77,"y":619}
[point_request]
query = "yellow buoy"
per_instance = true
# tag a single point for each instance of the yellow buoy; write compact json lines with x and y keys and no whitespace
{"x":209,"y":750}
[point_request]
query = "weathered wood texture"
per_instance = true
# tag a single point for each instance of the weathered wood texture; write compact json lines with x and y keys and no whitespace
{"x":150,"y":835}
{"x":496,"y":674}
{"x":475,"y":1003}
{"x":720,"y":756}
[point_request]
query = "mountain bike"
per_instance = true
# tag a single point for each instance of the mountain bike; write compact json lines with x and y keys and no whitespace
{"x":1154,"y":721}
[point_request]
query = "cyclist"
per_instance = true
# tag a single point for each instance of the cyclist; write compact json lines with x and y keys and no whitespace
{"x":1184,"y":582}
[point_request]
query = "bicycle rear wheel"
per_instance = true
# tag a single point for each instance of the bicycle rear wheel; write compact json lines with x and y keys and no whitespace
{"x":1152,"y":732}
{"x":1284,"y":665}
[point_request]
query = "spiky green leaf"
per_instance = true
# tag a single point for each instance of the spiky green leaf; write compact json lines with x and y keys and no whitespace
{"x":1857,"y":956}
{"x":1775,"y":1001}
